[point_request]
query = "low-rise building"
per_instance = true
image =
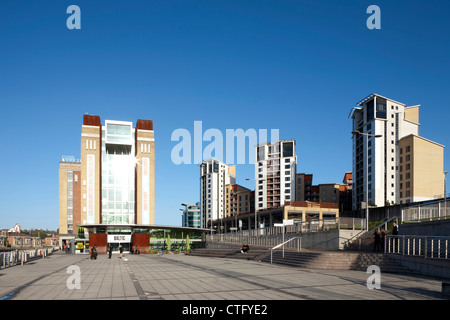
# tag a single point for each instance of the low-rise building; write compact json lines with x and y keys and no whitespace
{"x":191,"y":215}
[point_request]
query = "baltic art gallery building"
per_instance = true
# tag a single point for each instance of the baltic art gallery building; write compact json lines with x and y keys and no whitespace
{"x":107,"y":198}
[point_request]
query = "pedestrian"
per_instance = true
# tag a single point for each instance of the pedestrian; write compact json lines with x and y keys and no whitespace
{"x":383,"y":239}
{"x":242,"y":247}
{"x":377,"y":240}
{"x":136,"y":250}
{"x":94,"y":253}
{"x":395,"y":230}
{"x":110,"y":251}
{"x":120,"y":251}
{"x":395,"y":234}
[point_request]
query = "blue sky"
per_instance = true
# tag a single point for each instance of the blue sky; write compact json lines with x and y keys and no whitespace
{"x":297,"y":66}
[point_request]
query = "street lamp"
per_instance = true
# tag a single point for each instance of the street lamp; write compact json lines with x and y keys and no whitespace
{"x":445,"y":193}
{"x":367,"y":135}
{"x":248,"y":179}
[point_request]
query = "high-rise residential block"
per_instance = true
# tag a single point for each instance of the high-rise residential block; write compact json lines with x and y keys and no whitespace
{"x":378,"y":126}
{"x":214,"y":176}
{"x":275,"y":170}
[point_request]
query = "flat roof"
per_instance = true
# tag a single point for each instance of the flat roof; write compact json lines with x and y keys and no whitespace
{"x":136,"y":226}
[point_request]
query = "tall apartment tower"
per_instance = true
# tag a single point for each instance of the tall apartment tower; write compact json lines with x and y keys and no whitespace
{"x":275,"y":170}
{"x":115,"y":175}
{"x":214,"y":176}
{"x":376,"y":160}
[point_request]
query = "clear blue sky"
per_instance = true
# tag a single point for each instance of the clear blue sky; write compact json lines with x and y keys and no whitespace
{"x":297,"y":66}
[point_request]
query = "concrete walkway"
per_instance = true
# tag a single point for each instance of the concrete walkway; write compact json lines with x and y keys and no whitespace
{"x":181,"y":277}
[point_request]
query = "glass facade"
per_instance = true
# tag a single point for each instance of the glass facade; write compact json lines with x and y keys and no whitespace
{"x":118,"y":174}
{"x":70,"y":202}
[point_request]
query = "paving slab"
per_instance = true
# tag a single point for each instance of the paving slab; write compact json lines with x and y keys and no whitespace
{"x":184,"y":277}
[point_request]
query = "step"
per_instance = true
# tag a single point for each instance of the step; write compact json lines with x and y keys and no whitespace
{"x":309,"y":259}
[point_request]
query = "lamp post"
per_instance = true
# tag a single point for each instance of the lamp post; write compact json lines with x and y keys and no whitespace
{"x":256,"y":226}
{"x":445,"y":193}
{"x":367,"y":135}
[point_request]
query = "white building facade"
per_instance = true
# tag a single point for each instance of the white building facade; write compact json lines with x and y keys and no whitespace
{"x":214,"y":176}
{"x":275,"y":169}
{"x":376,"y":159}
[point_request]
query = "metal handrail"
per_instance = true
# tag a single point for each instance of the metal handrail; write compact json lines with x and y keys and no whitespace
{"x":372,"y":230}
{"x":433,"y":247}
{"x":299,"y":246}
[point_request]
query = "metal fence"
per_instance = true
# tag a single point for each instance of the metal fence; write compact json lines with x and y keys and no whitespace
{"x":428,"y":247}
{"x":313,"y":225}
{"x":20,"y":257}
{"x":427,"y":212}
{"x":257,"y":241}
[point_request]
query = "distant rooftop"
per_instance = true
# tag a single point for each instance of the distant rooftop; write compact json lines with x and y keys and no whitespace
{"x":70,"y":159}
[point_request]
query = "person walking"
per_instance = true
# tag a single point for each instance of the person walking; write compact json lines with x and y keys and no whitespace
{"x":395,"y":230}
{"x":377,"y":240}
{"x":110,"y":251}
{"x":395,"y":234}
{"x":120,"y":251}
{"x":94,"y":253}
{"x":383,"y":239}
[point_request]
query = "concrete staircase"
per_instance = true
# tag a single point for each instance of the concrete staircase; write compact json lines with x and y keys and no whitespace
{"x":255,"y":254}
{"x":337,"y":260}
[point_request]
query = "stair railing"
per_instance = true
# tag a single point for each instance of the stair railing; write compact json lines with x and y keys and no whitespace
{"x":299,"y":246}
{"x":370,"y":232}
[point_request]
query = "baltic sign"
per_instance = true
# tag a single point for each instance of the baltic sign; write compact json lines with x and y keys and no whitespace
{"x":119,"y":238}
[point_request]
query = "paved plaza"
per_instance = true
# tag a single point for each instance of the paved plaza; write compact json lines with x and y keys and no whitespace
{"x":184,"y":277}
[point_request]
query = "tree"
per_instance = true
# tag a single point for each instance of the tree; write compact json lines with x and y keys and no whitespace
{"x":169,"y":242}
{"x":188,"y":245}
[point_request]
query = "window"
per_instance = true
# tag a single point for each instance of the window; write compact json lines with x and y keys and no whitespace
{"x":408,"y":148}
{"x":288,"y":149}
